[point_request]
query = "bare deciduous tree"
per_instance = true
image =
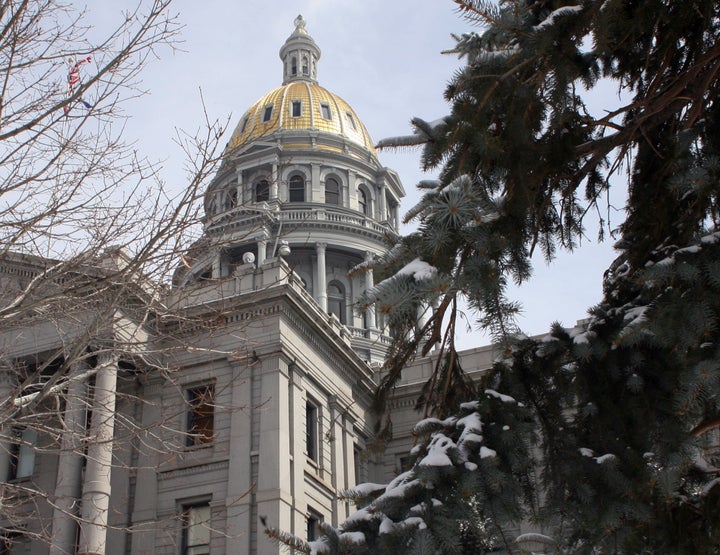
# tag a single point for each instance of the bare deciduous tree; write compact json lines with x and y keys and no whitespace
{"x":89,"y":238}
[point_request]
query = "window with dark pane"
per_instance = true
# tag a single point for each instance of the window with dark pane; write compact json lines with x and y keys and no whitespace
{"x":312,"y":431}
{"x":314,"y":519}
{"x":200,"y":415}
{"x":336,"y":300}
{"x":296,"y":189}
{"x":362,"y":202}
{"x":262,"y":191}
{"x":332,"y":191}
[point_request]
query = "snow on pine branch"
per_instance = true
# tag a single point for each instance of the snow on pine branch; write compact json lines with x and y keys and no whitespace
{"x":418,"y":269}
{"x":550,"y":19}
{"x":424,"y":132}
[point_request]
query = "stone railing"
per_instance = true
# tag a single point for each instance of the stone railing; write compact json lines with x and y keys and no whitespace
{"x":274,"y":272}
{"x":309,"y":213}
{"x":319,"y":213}
{"x":370,"y":335}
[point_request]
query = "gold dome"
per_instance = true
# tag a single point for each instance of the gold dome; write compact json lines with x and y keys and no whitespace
{"x":300,"y":106}
{"x":300,"y":110}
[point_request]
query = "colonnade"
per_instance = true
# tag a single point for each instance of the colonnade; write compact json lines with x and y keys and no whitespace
{"x":81,"y":499}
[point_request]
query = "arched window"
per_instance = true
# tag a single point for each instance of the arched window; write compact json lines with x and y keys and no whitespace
{"x":293,"y":66}
{"x":231,"y":199}
{"x":262,"y":191}
{"x":336,"y":300}
{"x":332,"y":191}
{"x":296,"y":189}
{"x":305,"y":66}
{"x":363,"y":202}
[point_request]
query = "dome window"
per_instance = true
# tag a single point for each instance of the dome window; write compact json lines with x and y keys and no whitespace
{"x":293,"y":66}
{"x":244,"y":125}
{"x":332,"y":191}
{"x":336,"y":300}
{"x":262,"y":191}
{"x":296,"y":108}
{"x":325,"y":110}
{"x":267,"y":113}
{"x":231,"y":199}
{"x":363,"y":202}
{"x":351,"y":119}
{"x":296,"y":189}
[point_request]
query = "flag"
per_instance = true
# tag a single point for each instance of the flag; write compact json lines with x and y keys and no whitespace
{"x":73,"y":79}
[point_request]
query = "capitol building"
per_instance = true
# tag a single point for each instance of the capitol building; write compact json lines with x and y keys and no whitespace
{"x":267,"y":412}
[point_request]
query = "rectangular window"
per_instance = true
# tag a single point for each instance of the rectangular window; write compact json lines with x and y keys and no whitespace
{"x":267,"y":114}
{"x":359,"y":465}
{"x":351,"y":119}
{"x":296,"y":108}
{"x":196,"y":529}
{"x":313,"y":525}
{"x":325,"y":109}
{"x":200,"y":415}
{"x":22,"y":454}
{"x":404,"y":463}
{"x":312,"y":429}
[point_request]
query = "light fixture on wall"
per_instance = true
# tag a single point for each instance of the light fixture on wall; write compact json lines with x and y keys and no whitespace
{"x":283,"y":248}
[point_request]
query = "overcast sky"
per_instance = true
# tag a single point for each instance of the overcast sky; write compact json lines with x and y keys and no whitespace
{"x":382,"y":56}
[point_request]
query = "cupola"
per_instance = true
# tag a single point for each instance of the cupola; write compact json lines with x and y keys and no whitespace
{"x":299,"y":55}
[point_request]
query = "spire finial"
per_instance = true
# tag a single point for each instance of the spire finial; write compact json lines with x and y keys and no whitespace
{"x":300,"y":24}
{"x":299,"y":55}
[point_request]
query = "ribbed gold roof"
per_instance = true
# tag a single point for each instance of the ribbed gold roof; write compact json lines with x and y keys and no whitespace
{"x":316,"y":104}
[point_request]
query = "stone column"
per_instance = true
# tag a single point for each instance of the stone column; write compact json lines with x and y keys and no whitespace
{"x":296,"y":415}
{"x":96,"y":489}
{"x":369,"y":284}
{"x":351,"y":201}
{"x":144,"y":511}
{"x":274,"y":185}
{"x":315,"y":190}
{"x":240,"y":189}
{"x":68,"y":484}
{"x":381,"y":209}
{"x":273,"y":486}
{"x":7,"y":387}
{"x":262,"y":251}
{"x":321,"y":281}
{"x":240,"y":483}
{"x":337,"y":454}
{"x":217,"y":265}
{"x":349,"y":451}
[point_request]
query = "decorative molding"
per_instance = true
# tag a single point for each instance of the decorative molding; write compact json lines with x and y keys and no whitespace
{"x":192,"y":470}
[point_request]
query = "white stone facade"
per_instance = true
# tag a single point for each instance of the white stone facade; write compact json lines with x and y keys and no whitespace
{"x":261,"y":406}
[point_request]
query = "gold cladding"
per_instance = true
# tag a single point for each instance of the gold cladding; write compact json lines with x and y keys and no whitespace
{"x":311,"y":97}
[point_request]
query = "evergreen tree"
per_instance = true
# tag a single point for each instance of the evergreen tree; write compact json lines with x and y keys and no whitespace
{"x":625,"y":408}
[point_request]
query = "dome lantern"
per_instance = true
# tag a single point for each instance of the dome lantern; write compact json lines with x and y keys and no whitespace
{"x":300,"y":55}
